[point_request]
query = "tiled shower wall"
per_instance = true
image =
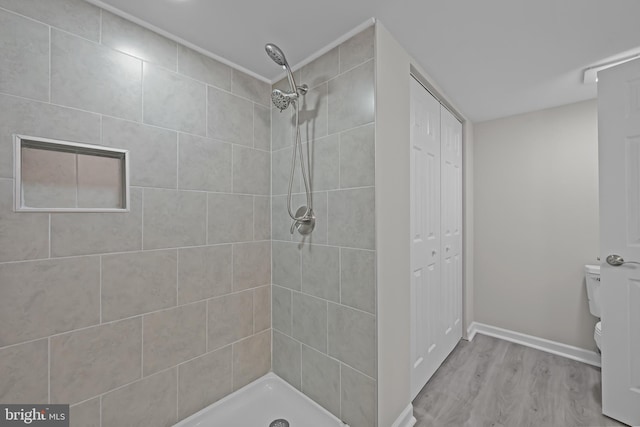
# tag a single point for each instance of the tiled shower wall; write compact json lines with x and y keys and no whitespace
{"x":324,"y":311}
{"x":136,"y":318}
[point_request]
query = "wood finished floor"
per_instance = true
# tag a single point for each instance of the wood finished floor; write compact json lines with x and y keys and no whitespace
{"x":491,"y":382}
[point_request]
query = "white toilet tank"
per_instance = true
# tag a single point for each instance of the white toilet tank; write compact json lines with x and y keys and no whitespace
{"x":592,"y":276}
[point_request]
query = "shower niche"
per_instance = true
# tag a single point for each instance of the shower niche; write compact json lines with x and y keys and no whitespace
{"x":62,"y":176}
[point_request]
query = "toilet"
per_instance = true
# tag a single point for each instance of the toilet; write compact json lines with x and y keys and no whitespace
{"x":592,"y":276}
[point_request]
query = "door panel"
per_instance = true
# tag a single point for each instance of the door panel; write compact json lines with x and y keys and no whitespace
{"x":425,"y":233}
{"x":436,"y":234}
{"x":619,"y":160}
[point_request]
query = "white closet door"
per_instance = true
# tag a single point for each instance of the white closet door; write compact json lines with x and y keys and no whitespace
{"x":451,"y":199}
{"x":425,"y":236}
{"x":436,"y":235}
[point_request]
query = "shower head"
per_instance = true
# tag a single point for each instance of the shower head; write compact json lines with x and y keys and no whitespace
{"x":276,"y":54}
{"x":282,"y":99}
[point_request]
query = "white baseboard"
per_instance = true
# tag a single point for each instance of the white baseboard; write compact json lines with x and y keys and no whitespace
{"x":406,"y":418}
{"x":553,"y":347}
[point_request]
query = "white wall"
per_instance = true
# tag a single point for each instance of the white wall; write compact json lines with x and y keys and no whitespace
{"x":392,"y":226}
{"x":536,"y":221}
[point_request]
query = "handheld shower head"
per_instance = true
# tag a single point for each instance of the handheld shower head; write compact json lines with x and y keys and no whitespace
{"x":276,"y":54}
{"x":279,"y":98}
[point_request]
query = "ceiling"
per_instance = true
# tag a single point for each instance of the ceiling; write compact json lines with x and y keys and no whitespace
{"x":492,"y":58}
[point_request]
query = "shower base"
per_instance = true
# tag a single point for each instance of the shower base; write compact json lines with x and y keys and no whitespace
{"x":258,"y":404}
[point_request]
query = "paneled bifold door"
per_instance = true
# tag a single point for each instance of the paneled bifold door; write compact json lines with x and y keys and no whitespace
{"x":436,"y":235}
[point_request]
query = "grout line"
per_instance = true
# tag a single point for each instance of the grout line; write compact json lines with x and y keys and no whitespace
{"x":142,"y":221}
{"x":178,"y":161}
{"x":49,"y":239}
{"x":340,"y":274}
{"x":339,"y":388}
{"x":206,"y":111}
{"x":50,"y":63}
{"x":142,"y":66}
{"x":49,"y":369}
{"x":206,"y":326}
{"x":100,"y":296}
{"x":100,"y":414}
{"x":142,"y":346}
{"x":177,"y":392}
{"x":100,"y":26}
{"x":177,"y":277}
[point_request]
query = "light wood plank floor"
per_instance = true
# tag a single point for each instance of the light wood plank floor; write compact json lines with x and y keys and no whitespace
{"x":491,"y":382}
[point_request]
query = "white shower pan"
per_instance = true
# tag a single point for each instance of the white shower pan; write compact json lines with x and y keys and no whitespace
{"x":258,"y":404}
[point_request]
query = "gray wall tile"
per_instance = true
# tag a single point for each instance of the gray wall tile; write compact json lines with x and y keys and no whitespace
{"x":351,"y":218}
{"x":313,"y":114}
{"x":321,"y":379}
{"x":281,"y":128}
{"x":281,"y":171}
{"x":358,"y":398}
{"x":262,"y":308}
{"x":24,"y":57}
{"x":280,"y":221}
{"x":261,"y":218}
{"x":262,"y":127}
{"x":230,"y":319}
{"x":287,"y":358}
{"x":230,"y":218}
{"x":91,"y":77}
{"x":203,"y":68}
{"x":309,"y":321}
{"x":148,"y":402}
{"x":49,"y":178}
{"x":325,"y":163}
{"x":93,"y":233}
{"x":153,"y":157}
{"x":92,"y":361}
{"x":251,"y":171}
{"x":205,"y":164}
{"x":229,"y":117}
{"x":85,"y":414}
{"x":22,"y":235}
{"x":100,"y":182}
{"x":203,"y":381}
{"x":134,"y":40}
{"x":204,"y":272}
{"x":357,"y":49}
{"x":358,"y":279}
{"x":24,"y":370}
{"x":251,"y":265}
{"x":352,"y":338}
{"x":75,"y":16}
{"x":173,"y":101}
{"x":173,"y":336}
{"x":174,"y":218}
{"x":251,"y":88}
{"x":321,"y":69}
{"x":137,"y":283}
{"x":41,"y":298}
{"x":286,"y":265}
{"x":32,"y":118}
{"x":321,"y":272}
{"x":351,"y":98}
{"x":357,"y":157}
{"x":251,"y":358}
{"x":281,"y":307}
